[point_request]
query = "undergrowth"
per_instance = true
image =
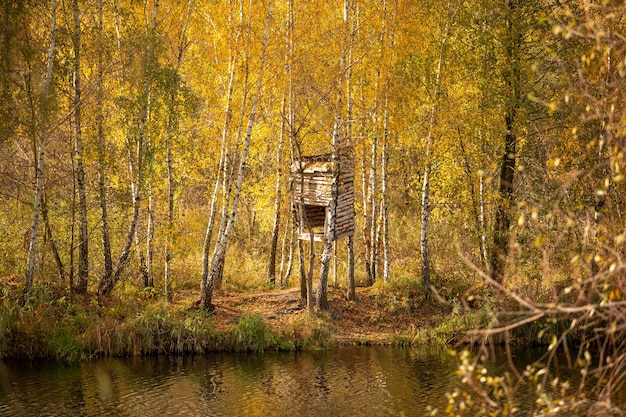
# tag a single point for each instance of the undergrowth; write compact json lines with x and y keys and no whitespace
{"x":132,"y":322}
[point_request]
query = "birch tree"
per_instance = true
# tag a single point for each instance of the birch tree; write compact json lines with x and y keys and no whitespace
{"x":41,"y":152}
{"x":385,"y":153}
{"x":219,"y":253}
{"x":101,"y":148}
{"x":222,"y":167}
{"x":430,"y":142}
{"x":171,"y":130}
{"x":271,"y":263}
{"x":151,"y":72}
{"x":322,"y":286}
{"x":83,"y":233}
{"x":135,"y":139}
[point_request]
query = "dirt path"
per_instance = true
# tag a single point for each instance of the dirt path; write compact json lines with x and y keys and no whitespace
{"x":372,"y":319}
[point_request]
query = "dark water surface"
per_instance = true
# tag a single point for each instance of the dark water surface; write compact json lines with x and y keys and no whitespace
{"x":354,"y":381}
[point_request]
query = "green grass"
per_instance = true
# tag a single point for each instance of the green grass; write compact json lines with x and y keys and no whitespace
{"x":134,"y":322}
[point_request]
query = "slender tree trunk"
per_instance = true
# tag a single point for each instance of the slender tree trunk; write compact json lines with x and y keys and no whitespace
{"x":424,"y":242}
{"x":385,"y":157}
{"x":366,"y":217}
{"x":309,"y":281}
{"x":136,"y":169}
{"x":218,"y":180}
{"x":375,"y":216}
{"x":503,"y":216}
{"x":134,"y":187}
{"x":286,"y":258}
{"x":335,"y":266}
{"x":322,"y":285}
{"x":231,"y":164}
{"x":305,"y":291}
{"x":51,"y":241}
{"x":477,"y":204}
{"x":172,"y":125}
{"x":219,"y":254}
{"x":371,"y":196}
{"x":303,"y":280}
{"x":306,"y":281}
{"x":39,"y":162}
{"x":72,"y":246}
{"x":351,"y":296}
{"x":138,"y":233}
{"x":424,"y":237}
{"x":83,"y":233}
{"x":106,"y":240}
{"x":361,"y":132}
{"x":483,"y":237}
{"x":384,"y":214}
{"x":148,"y":279}
{"x":512,"y":79}
{"x":271,"y":264}
{"x":321,"y":300}
{"x":107,"y":285}
{"x":169,"y":235}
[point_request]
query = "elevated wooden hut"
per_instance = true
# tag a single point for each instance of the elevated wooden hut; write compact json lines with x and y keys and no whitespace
{"x":311,"y":182}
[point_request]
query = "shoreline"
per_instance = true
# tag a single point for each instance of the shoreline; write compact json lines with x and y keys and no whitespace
{"x":136,"y":322}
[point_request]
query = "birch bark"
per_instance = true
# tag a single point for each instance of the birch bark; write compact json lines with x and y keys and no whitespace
{"x":430,"y":142}
{"x":102,"y":195}
{"x":40,"y":157}
{"x":271,"y":264}
{"x":171,"y":131}
{"x":219,"y":254}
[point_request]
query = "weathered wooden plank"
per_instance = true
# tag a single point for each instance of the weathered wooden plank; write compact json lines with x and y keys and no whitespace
{"x":345,"y":199}
{"x":317,"y":237}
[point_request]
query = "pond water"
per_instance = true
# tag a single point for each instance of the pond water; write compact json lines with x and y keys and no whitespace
{"x":366,"y":381}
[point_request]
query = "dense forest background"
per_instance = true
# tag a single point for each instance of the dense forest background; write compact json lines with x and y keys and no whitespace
{"x":139,"y":139}
{"x":146,"y":146}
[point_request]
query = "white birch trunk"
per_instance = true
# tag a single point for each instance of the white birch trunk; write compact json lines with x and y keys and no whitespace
{"x":219,"y":254}
{"x":384,"y":211}
{"x":430,"y":142}
{"x":322,"y":285}
{"x":106,"y":240}
{"x":271,"y":264}
{"x":385,"y":157}
{"x":135,"y":165}
{"x":41,"y":153}
{"x":287,"y":274}
{"x":218,"y":180}
{"x":483,"y":235}
{"x":107,"y":285}
{"x":371,"y":196}
{"x":171,"y":119}
{"x":148,"y":279}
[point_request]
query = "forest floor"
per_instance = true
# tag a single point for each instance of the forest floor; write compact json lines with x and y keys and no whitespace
{"x":375,"y":317}
{"x":134,"y":321}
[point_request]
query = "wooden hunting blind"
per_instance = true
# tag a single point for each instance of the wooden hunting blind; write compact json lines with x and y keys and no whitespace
{"x":311,"y":183}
